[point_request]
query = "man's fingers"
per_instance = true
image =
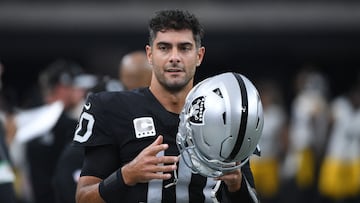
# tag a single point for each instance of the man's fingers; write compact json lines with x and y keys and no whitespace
{"x":162,"y":168}
{"x":157,"y":146}
{"x":168,"y":159}
{"x":154,"y":150}
{"x":159,"y":140}
{"x":163,"y":172}
{"x":153,"y":166}
{"x":232,"y":179}
{"x":163,"y":176}
{"x":229,"y":177}
{"x":163,"y":160}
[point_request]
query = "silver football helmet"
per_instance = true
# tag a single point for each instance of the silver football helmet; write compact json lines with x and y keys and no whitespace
{"x":220,"y":124}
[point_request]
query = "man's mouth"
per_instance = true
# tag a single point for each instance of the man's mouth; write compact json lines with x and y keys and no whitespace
{"x":174,"y":70}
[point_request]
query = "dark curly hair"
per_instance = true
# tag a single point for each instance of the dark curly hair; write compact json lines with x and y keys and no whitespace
{"x":176,"y":20}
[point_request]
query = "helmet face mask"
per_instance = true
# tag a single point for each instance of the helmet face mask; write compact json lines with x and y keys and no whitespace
{"x":199,"y":163}
{"x":219,"y":127}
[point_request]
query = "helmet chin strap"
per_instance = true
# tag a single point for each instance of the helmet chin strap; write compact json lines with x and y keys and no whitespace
{"x":214,"y":191}
{"x":175,"y":179}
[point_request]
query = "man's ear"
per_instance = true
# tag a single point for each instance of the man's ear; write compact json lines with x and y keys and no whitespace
{"x":201,"y":53}
{"x":148,"y":53}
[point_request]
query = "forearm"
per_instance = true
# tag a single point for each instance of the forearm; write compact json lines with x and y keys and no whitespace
{"x":95,"y":190}
{"x":88,"y":190}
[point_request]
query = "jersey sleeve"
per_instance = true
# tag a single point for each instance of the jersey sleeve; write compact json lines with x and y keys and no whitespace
{"x":93,"y":126}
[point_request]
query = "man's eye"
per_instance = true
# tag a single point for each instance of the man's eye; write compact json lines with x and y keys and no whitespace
{"x":186,"y":48}
{"x":163,"y":48}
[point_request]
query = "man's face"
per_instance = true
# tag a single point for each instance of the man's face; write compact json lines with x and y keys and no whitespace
{"x":174,"y":57}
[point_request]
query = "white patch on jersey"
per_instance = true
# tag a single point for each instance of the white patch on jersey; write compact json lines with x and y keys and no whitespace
{"x":144,"y":127}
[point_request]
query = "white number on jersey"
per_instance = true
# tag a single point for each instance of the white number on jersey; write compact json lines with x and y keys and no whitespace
{"x":82,"y":135}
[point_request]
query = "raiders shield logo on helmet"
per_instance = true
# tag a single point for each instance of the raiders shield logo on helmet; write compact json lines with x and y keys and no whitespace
{"x":197,"y":110}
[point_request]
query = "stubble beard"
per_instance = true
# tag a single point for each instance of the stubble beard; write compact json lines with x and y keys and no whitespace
{"x":174,"y":87}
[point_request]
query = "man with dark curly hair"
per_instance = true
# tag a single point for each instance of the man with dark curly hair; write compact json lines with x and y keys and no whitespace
{"x":129,"y":136}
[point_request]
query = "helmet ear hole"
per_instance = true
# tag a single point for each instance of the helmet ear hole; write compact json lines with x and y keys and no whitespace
{"x":224,"y":117}
{"x":257,"y":123}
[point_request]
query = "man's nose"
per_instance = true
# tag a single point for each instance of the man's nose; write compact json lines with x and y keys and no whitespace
{"x":174,"y":58}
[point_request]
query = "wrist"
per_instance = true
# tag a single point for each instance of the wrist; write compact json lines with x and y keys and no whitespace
{"x":110,"y":187}
{"x":126,"y":177}
{"x":234,"y":187}
{"x":234,"y":183}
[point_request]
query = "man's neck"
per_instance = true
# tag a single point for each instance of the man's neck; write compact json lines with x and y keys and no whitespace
{"x":171,"y":101}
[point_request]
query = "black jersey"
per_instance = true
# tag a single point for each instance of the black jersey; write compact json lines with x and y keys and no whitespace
{"x":119,"y":125}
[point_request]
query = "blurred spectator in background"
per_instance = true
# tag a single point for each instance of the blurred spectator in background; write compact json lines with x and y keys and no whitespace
{"x":68,"y":167}
{"x":307,"y":133}
{"x":82,"y":83}
{"x":7,"y":112}
{"x":135,"y":70}
{"x":43,"y":132}
{"x":340,"y":170}
{"x":266,"y":167}
{"x":42,"y":153}
{"x":7,"y":177}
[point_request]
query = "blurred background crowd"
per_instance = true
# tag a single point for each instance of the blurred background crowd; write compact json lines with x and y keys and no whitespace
{"x":303,"y":56}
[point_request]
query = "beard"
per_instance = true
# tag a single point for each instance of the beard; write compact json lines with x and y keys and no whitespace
{"x":175,"y":87}
{"x":175,"y":84}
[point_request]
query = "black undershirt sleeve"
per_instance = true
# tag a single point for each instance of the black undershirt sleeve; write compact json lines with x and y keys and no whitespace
{"x":100,"y":161}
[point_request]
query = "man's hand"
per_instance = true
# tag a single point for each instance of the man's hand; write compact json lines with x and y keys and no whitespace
{"x":147,"y":166}
{"x":232,"y":180}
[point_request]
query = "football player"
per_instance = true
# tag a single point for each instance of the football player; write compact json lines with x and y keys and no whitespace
{"x":131,"y":153}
